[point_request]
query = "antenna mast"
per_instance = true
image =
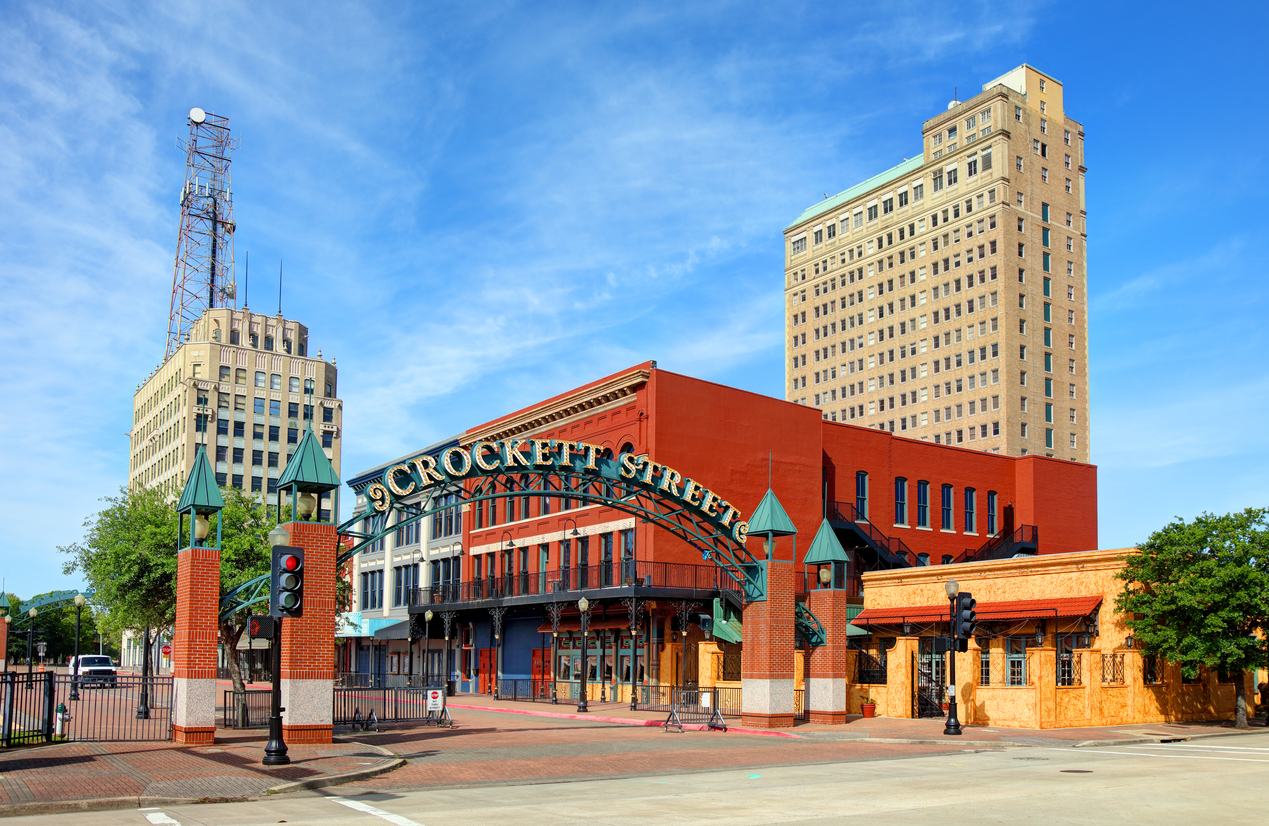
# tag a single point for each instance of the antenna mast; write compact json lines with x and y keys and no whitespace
{"x":203,"y":277}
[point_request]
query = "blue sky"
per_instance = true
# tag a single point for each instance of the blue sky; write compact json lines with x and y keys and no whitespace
{"x":480,"y":205}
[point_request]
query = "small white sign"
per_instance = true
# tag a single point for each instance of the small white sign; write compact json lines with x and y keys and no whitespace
{"x":705,"y":700}
{"x":435,"y":699}
{"x":951,"y":691}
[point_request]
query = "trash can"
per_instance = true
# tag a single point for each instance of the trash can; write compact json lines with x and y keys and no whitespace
{"x":451,"y":688}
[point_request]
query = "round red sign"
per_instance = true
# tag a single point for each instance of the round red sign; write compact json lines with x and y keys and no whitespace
{"x":167,"y":650}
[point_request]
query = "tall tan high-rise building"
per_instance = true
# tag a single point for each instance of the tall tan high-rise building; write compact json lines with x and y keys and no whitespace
{"x":945,"y":299}
{"x":236,"y":385}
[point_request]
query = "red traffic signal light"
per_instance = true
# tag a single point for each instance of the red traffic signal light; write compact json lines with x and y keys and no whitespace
{"x":286,"y":585}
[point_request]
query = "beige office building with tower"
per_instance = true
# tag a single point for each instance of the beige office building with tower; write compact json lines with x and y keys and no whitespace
{"x":236,"y":385}
{"x":945,"y":299}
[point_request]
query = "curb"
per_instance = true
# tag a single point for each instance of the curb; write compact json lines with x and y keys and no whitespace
{"x":1178,"y":738}
{"x":383,"y":767}
{"x":101,"y":804}
{"x":621,"y":721}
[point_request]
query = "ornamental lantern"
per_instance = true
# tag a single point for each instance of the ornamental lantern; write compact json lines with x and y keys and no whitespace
{"x":200,"y":499}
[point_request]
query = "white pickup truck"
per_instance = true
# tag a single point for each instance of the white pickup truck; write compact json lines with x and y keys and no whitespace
{"x":95,"y":669}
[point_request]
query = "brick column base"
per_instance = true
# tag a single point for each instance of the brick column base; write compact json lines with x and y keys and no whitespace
{"x":827,"y":694}
{"x":766,"y":664}
{"x":308,"y":642}
{"x":194,"y":646}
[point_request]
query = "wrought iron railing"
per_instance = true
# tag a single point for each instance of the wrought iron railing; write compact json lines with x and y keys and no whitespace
{"x":1112,"y":669}
{"x":246,"y":709}
{"x":361,"y":679}
{"x":675,"y":575}
{"x":892,"y":545}
{"x":869,"y":670}
{"x":728,"y":668}
{"x":1070,"y":669}
{"x":1002,"y":546}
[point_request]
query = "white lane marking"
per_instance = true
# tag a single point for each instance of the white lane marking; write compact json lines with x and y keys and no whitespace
{"x":160,"y":819}
{"x":1202,"y":746}
{"x":399,"y":820}
{"x":1167,"y":756}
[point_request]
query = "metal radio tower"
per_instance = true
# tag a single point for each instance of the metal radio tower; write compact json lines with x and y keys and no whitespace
{"x":204,"y":273}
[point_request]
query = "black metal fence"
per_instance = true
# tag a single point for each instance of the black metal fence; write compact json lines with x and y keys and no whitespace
{"x":535,"y":691}
{"x":357,"y":679}
{"x":614,"y":574}
{"x":124,"y":708}
{"x":388,"y":704}
{"x":727,"y":701}
{"x":246,"y":709}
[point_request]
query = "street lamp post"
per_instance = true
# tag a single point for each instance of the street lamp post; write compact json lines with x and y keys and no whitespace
{"x":275,"y":750}
{"x":427,"y":648}
{"x":583,"y":605}
{"x":143,"y":701}
{"x":79,"y":607}
{"x":951,"y":588}
{"x":30,"y":644}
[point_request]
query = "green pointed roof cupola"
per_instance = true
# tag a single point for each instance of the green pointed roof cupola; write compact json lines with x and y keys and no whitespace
{"x":200,"y":498}
{"x":308,"y":469}
{"x":826,"y":548}
{"x":308,"y":475}
{"x":770,"y":518}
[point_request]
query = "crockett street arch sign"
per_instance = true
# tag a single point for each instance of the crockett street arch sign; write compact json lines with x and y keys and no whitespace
{"x":578,"y":470}
{"x":631,"y":483}
{"x":518,"y":457}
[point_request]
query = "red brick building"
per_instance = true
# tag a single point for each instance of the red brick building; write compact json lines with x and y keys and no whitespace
{"x":891,"y":502}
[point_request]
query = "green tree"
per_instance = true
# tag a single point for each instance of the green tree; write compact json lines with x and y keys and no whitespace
{"x":128,"y":557}
{"x":1197,"y":594}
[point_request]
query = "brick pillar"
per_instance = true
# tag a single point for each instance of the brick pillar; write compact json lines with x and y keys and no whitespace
{"x":766,"y":664}
{"x":194,"y":646}
{"x":308,"y":643}
{"x":826,"y":681}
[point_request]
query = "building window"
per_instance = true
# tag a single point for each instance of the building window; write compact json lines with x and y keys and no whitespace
{"x":371,"y":590}
{"x":984,"y":664}
{"x":900,"y":501}
{"x":1016,"y":661}
{"x":260,"y":378}
{"x":969,"y":510}
{"x":991,"y":513}
{"x":923,"y":504}
{"x":861,"y":494}
{"x":947,"y":508}
{"x":799,"y":246}
{"x":294,"y":384}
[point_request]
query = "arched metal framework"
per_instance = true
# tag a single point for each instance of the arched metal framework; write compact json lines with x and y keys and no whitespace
{"x":600,"y":482}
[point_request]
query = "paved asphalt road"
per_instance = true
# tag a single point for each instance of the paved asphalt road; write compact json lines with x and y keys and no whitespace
{"x":1221,"y":779}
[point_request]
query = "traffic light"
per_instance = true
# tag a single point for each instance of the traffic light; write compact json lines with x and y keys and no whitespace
{"x":965,"y":616}
{"x":286,"y":584}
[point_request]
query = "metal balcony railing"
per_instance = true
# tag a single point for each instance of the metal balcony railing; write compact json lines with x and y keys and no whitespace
{"x":890,"y":545}
{"x":616,"y":574}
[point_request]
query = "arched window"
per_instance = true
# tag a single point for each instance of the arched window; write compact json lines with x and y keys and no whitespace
{"x":947,"y":559}
{"x":923,"y":504}
{"x":969,"y":510}
{"x":900,"y":501}
{"x":991,"y":513}
{"x":861,"y":493}
{"x":947,"y":508}
{"x":923,"y":560}
{"x":260,"y":378}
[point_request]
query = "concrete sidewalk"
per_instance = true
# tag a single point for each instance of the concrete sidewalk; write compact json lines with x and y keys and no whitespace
{"x":877,"y":729}
{"x":70,"y":777}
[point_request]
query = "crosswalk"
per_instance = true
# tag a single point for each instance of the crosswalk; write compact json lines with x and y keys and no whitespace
{"x":1185,"y":751}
